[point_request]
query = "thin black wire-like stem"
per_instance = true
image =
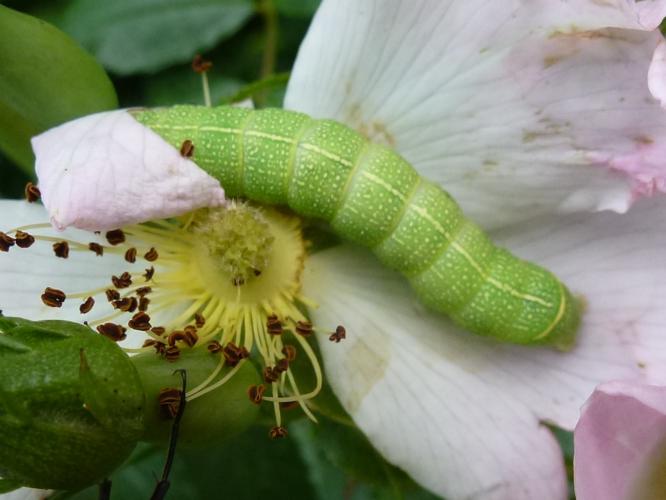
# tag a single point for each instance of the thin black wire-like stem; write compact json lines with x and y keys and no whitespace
{"x":105,"y":490}
{"x":162,"y":486}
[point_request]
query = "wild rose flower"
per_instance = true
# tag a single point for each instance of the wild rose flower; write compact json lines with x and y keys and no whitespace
{"x":535,"y":116}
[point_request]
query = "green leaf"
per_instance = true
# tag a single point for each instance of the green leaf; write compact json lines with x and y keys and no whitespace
{"x":46,"y":79}
{"x":251,"y":466}
{"x":144,"y":36}
{"x":7,"y":485}
{"x":297,"y":8}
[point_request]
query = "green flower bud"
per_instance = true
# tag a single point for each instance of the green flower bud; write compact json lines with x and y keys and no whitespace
{"x":71,"y":404}
{"x":208,"y":419}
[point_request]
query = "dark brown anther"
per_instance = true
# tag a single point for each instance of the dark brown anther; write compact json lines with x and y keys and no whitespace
{"x":160,"y":348}
{"x":199,"y":320}
{"x":304,"y":328}
{"x":113,"y":331}
{"x":339,"y":334}
{"x":32,"y":193}
{"x":257,"y":272}
{"x":122,"y":281}
{"x":233,"y":354}
{"x":169,"y":400}
{"x":53,"y":297}
{"x":149,"y":343}
{"x":115,"y":237}
{"x":149,"y":273}
{"x":172,"y":353}
{"x":140,"y":321}
{"x":97,"y":248}
{"x":214,"y":347}
{"x":61,"y":249}
{"x":87,"y":305}
{"x":282,"y":365}
{"x":256,"y":393}
{"x":188,"y":336}
{"x":151,"y":255}
{"x":112,"y":295}
{"x":175,"y":336}
{"x":238,"y":281}
{"x":289,"y":352}
{"x":130,"y":255}
{"x":273,"y":325}
{"x":126,"y":304}
{"x":143,"y":304}
{"x":191,"y":336}
{"x":158,"y":330}
{"x":288,"y":405}
{"x":6,"y":242}
{"x":278,"y":432}
{"x":187,"y":149}
{"x":143,"y":291}
{"x":270,"y":375}
{"x":201,"y":65}
{"x":24,"y":240}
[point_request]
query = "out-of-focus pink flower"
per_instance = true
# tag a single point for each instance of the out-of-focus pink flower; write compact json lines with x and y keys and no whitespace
{"x":620,"y":444}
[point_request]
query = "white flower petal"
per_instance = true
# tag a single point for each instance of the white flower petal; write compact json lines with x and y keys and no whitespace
{"x":107,"y":170}
{"x":26,"y":494}
{"x":616,"y":262}
{"x":27,"y":272}
{"x":425,"y":393}
{"x":620,"y":443}
{"x":657,"y":73}
{"x":462,"y":413}
{"x":517,"y":108}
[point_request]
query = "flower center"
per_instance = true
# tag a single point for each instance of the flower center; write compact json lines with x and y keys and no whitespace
{"x":226,"y":280}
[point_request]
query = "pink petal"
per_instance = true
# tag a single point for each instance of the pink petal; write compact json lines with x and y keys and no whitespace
{"x":107,"y":170}
{"x":517,"y":108}
{"x":620,"y":443}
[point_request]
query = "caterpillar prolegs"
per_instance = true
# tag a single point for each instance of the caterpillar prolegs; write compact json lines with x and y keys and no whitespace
{"x":372,"y":196}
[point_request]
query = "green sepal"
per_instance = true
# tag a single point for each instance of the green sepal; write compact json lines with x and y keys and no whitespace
{"x":209,"y":419}
{"x":7,"y":485}
{"x":64,"y":424}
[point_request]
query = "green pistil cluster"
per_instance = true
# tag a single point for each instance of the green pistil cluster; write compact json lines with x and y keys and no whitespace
{"x":238,"y":238}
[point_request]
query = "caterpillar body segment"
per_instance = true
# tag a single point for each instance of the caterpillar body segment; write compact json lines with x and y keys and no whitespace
{"x":372,"y":196}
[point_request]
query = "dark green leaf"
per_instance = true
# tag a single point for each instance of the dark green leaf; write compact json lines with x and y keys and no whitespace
{"x":297,"y":8}
{"x":46,"y":79}
{"x":144,"y":36}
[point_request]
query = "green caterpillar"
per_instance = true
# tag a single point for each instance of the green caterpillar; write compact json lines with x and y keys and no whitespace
{"x":372,"y":196}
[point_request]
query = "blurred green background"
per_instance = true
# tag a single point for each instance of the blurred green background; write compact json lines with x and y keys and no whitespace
{"x":146,"y":48}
